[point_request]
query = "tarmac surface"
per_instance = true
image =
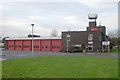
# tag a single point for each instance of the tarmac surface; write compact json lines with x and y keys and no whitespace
{"x":19,"y":54}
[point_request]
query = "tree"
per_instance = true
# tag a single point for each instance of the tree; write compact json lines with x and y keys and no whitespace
{"x":54,"y":33}
{"x":3,"y":42}
{"x":114,"y":38}
{"x":113,"y":33}
{"x":114,"y":41}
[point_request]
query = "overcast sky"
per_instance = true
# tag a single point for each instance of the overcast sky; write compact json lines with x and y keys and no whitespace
{"x":17,"y":15}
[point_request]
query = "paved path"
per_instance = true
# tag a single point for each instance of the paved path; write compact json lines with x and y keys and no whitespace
{"x":18,"y":54}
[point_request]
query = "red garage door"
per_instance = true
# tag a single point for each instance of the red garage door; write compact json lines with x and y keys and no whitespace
{"x":10,"y":44}
{"x":56,"y":45}
{"x":27,"y":45}
{"x":36,"y":45}
{"x":45,"y":45}
{"x":18,"y":45}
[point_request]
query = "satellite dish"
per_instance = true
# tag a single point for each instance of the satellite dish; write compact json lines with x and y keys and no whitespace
{"x":92,"y":16}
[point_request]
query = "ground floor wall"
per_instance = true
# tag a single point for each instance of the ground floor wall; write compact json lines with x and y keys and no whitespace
{"x":81,"y":41}
{"x":39,"y":45}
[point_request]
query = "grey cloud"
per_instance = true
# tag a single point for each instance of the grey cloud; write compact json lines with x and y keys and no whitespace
{"x":49,"y":11}
{"x":43,"y":8}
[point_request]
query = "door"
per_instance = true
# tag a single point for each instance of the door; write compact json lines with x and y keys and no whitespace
{"x":90,"y":47}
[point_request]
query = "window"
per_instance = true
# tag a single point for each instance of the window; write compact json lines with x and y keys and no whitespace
{"x":25,"y":46}
{"x":10,"y":46}
{"x":18,"y":46}
{"x":36,"y":46}
{"x":44,"y":47}
{"x":90,"y":37}
{"x":55,"y":46}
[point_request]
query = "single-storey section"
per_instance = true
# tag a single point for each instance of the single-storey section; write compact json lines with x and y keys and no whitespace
{"x":39,"y":44}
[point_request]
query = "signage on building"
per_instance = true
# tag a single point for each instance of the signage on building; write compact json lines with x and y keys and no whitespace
{"x":90,"y":42}
{"x":77,"y":45}
{"x":68,"y":37}
{"x":93,"y":29}
{"x":106,"y":43}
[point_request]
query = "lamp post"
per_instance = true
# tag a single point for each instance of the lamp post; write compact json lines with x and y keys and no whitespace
{"x":67,"y":39}
{"x":32,"y":39}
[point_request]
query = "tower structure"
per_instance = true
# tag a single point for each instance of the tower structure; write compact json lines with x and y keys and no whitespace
{"x":92,"y":20}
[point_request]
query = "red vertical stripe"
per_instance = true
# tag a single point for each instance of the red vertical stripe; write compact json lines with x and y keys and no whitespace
{"x":51,"y":45}
{"x":39,"y":45}
{"x":22,"y":44}
{"x":14,"y":44}
{"x":31,"y":45}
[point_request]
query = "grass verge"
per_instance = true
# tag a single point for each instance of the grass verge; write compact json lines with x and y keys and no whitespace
{"x":115,"y":51}
{"x":60,"y":67}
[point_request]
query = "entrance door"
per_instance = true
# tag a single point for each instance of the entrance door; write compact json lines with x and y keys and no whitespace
{"x":90,"y":47}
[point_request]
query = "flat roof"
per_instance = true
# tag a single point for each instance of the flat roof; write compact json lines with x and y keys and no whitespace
{"x":35,"y":38}
{"x":73,"y":31}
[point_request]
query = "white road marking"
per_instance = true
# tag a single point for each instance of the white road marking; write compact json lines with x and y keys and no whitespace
{"x":2,"y":59}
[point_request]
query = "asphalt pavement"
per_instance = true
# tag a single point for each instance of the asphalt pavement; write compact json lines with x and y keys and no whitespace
{"x":19,"y":54}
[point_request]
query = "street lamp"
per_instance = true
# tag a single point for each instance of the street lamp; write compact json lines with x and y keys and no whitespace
{"x":32,"y":39}
{"x":67,"y":39}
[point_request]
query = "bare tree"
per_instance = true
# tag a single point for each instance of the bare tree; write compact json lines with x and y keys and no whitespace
{"x":54,"y":33}
{"x":113,"y":33}
{"x":114,"y":38}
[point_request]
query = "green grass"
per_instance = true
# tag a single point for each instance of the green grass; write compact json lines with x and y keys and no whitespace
{"x":116,"y":50}
{"x":0,"y":69}
{"x":61,"y":67}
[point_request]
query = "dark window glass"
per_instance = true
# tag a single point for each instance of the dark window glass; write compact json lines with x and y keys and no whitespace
{"x":36,"y":46}
{"x":55,"y":46}
{"x":18,"y":46}
{"x":25,"y":46}
{"x":10,"y":46}
{"x":90,"y":48}
{"x":44,"y":46}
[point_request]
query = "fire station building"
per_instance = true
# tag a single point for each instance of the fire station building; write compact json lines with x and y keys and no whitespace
{"x":89,"y":40}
